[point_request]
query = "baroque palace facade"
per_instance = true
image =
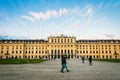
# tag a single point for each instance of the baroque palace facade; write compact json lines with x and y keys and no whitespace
{"x":56,"y":46}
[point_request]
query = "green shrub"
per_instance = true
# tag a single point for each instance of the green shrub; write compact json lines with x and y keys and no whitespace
{"x":20,"y":61}
{"x":108,"y":60}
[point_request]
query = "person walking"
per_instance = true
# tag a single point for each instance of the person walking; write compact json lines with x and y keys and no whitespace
{"x":83,"y":58}
{"x":54,"y":58}
{"x":64,"y":64}
{"x":90,"y":61}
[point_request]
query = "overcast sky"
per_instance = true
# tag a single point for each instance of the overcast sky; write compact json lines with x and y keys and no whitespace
{"x":38,"y":19}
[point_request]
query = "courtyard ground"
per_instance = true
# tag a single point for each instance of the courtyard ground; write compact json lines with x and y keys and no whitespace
{"x":50,"y":70}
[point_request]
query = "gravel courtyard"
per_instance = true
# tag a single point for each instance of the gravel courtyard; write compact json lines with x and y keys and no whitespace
{"x":50,"y":70}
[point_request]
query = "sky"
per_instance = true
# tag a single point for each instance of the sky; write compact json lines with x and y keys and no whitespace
{"x":39,"y":19}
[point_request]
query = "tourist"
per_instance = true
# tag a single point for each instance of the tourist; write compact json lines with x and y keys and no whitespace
{"x":64,"y":63}
{"x":90,"y":61}
{"x":82,"y":59}
{"x":54,"y":58}
{"x":49,"y":57}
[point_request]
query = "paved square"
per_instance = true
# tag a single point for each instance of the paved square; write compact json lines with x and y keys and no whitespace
{"x":50,"y":70}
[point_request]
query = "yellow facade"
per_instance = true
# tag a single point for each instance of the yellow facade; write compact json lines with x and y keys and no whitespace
{"x":56,"y":46}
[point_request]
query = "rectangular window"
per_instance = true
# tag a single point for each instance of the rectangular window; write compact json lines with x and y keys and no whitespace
{"x":1,"y":52}
{"x":20,"y":57}
{"x":103,"y":56}
{"x":51,"y":40}
{"x":55,"y":40}
{"x":106,"y":52}
{"x":80,"y":52}
{"x":71,"y":41}
{"x":90,"y":52}
{"x":68,"y":40}
{"x":58,"y":40}
{"x":107,"y":56}
{"x":20,"y":52}
{"x":16,"y":52}
{"x":96,"y":52}
{"x":110,"y":57}
{"x":97,"y":56}
{"x":32,"y":57}
{"x":83,"y":52}
{"x":61,"y":40}
{"x":110,"y":52}
{"x":86,"y":51}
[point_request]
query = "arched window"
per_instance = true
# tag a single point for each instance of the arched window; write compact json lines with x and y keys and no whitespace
{"x":103,"y":56}
{"x":55,"y":51}
{"x":32,"y":57}
{"x":58,"y":51}
{"x":16,"y":57}
{"x":106,"y":56}
{"x":61,"y":51}
{"x":0,"y":57}
{"x":12,"y":57}
{"x":71,"y":51}
{"x":19,"y":57}
{"x":116,"y":56}
{"x":110,"y":56}
{"x":65,"y":52}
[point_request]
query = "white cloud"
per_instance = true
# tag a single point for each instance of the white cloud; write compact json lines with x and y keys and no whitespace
{"x":28,"y":17}
{"x":75,"y":12}
{"x":86,"y":12}
{"x":89,"y":12}
{"x":110,"y":36}
{"x":63,"y":11}
{"x":48,"y":14}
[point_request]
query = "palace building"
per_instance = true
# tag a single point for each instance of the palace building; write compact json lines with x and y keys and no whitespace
{"x":56,"y":46}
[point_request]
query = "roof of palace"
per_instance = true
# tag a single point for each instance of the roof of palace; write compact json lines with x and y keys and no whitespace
{"x":45,"y":41}
{"x":61,"y":36}
{"x":99,"y":41}
{"x":23,"y":41}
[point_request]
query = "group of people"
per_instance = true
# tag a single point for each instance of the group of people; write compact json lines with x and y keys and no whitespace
{"x":64,"y":63}
{"x":90,"y":60}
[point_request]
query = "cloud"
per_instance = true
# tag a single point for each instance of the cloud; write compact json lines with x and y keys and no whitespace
{"x":46,"y":15}
{"x":27,"y":17}
{"x":81,"y":15}
{"x":85,"y":12}
{"x":89,"y":12}
{"x":63,"y":11}
{"x":2,"y":37}
{"x":110,"y":36}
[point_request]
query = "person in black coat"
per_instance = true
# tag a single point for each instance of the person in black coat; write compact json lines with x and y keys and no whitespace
{"x":90,"y":61}
{"x":83,"y":58}
{"x":64,"y":64}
